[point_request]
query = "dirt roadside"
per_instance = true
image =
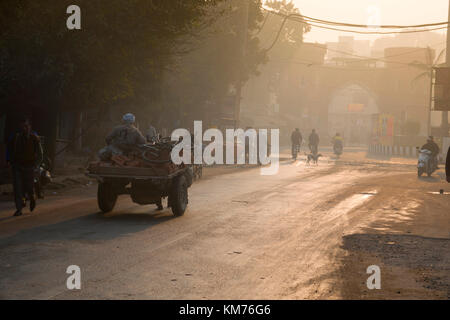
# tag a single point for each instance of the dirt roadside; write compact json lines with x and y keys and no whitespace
{"x":407,"y":235}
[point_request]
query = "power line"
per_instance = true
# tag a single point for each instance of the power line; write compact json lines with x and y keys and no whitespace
{"x":295,"y":16}
{"x":365,"y":58}
{"x":344,"y":24}
{"x":376,"y":32}
{"x":396,"y":55}
{"x":312,"y":64}
{"x":378,"y":59}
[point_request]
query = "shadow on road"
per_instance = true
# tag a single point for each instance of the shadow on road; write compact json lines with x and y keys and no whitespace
{"x":289,"y":162}
{"x":378,"y":157}
{"x":91,"y":227}
{"x":432,"y":179}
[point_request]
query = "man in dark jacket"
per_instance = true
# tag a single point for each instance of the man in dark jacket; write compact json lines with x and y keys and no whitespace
{"x":24,"y":155}
{"x":434,"y":148}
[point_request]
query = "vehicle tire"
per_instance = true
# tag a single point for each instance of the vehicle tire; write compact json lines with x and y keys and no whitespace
{"x":178,"y":197}
{"x":106,"y":197}
{"x":427,"y":169}
{"x":190,"y":176}
{"x":419,"y":172}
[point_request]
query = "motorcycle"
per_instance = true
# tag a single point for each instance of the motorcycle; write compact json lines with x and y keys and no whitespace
{"x":425,"y":163}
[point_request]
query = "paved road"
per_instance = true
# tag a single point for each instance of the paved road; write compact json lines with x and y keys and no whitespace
{"x":294,"y":235}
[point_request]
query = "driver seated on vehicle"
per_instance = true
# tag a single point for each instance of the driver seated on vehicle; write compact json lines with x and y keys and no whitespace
{"x":434,"y":148}
{"x":123,"y":138}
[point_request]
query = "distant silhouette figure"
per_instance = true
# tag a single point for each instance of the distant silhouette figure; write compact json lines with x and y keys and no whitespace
{"x":447,"y":165}
{"x":314,"y":142}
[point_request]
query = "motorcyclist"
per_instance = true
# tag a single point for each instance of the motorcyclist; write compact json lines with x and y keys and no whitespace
{"x":296,"y":140}
{"x":434,"y":148}
{"x":123,"y":138}
{"x":314,"y":141}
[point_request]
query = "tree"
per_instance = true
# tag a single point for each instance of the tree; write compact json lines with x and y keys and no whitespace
{"x":285,"y":40}
{"x":120,"y":52}
{"x":116,"y":59}
{"x":199,"y":86}
{"x":293,"y":31}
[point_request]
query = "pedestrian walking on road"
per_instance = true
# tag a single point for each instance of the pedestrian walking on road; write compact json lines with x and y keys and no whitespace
{"x":24,"y":155}
{"x":296,"y":140}
{"x":314,"y":142}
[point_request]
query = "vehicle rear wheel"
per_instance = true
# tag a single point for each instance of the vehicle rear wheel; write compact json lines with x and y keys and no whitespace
{"x":178,"y":197}
{"x":106,"y":197}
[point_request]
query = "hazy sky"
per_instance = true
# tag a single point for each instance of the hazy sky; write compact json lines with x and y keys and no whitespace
{"x":398,"y":12}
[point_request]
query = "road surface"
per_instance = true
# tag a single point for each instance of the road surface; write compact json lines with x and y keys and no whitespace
{"x":308,"y":232}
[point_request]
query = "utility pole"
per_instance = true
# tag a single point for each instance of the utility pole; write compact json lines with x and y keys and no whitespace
{"x":444,"y":123}
{"x":244,"y":38}
{"x":430,"y":102}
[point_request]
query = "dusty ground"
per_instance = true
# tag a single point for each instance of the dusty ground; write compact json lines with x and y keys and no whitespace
{"x":306,"y":233}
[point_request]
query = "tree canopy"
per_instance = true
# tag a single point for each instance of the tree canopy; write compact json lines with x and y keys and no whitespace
{"x":119,"y":54}
{"x":203,"y":80}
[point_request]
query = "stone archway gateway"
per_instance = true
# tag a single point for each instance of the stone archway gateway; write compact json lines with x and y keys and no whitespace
{"x":350,"y":112}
